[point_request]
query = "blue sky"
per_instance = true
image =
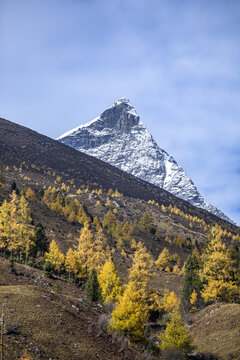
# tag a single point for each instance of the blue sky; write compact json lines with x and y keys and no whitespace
{"x":64,"y":61}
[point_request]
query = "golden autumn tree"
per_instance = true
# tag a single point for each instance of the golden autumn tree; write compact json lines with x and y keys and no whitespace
{"x":143,"y":267}
{"x":130,"y":315}
{"x":146,"y":221}
{"x":54,"y":256}
{"x":85,"y":244}
{"x":164,"y":260}
{"x":110,"y":282}
{"x":73,"y":264}
{"x":101,"y":251}
{"x":170,"y":302}
{"x":5,"y":225}
{"x":110,"y":222}
{"x":176,"y":335}
{"x":30,"y":194}
{"x":26,"y":356}
{"x":16,"y":231}
{"x":97,"y":223}
{"x":25,"y":231}
{"x":13,"y":241}
{"x":92,"y":248}
{"x":218,"y":273}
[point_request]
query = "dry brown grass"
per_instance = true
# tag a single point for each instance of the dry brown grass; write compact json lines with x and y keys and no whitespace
{"x":216,"y":329}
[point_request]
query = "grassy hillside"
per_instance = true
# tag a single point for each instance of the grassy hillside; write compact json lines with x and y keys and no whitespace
{"x":51,"y":317}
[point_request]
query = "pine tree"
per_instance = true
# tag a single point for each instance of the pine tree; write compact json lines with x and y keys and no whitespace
{"x":41,"y":240}
{"x":110,"y":282}
{"x":192,"y":280}
{"x":14,"y":188}
{"x":130,"y":315}
{"x":93,"y":289}
{"x":176,"y":335}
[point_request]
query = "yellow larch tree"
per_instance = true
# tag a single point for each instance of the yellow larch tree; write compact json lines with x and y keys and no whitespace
{"x":143,"y":267}
{"x":25,"y":231}
{"x":170,"y":302}
{"x":130,"y":315}
{"x":30,"y":194}
{"x":73,"y":264}
{"x":16,"y":231}
{"x":101,"y":251}
{"x":218,"y":273}
{"x":110,"y":282}
{"x":54,"y":256}
{"x":164,"y":260}
{"x":176,"y":335}
{"x":5,"y":225}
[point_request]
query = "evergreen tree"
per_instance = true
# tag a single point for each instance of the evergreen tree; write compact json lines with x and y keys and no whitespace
{"x":14,"y":188}
{"x":93,"y":289}
{"x":192,"y":280}
{"x":41,"y":240}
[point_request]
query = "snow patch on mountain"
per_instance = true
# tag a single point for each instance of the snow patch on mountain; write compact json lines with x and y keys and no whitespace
{"x":118,"y":137}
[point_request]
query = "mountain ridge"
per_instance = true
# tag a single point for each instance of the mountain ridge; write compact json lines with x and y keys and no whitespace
{"x":120,"y":138}
{"x":19,"y":144}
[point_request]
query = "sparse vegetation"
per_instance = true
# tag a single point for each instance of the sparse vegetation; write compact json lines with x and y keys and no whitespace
{"x":77,"y":234}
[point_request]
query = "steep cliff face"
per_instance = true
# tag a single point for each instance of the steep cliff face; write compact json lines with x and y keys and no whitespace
{"x":118,"y":137}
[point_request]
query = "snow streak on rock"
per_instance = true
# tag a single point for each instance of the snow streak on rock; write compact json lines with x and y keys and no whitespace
{"x":118,"y":137}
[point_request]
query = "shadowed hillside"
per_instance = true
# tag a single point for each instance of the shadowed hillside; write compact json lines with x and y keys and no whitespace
{"x":20,"y":144}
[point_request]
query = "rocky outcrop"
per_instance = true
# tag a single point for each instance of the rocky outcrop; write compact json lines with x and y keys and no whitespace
{"x":118,"y":137}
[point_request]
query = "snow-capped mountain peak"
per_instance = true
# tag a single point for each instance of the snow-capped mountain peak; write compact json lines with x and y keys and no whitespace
{"x":118,"y":137}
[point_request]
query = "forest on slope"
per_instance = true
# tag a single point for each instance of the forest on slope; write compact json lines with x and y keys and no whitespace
{"x":133,"y":270}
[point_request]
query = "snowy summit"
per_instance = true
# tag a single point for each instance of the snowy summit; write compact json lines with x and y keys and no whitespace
{"x":118,"y":137}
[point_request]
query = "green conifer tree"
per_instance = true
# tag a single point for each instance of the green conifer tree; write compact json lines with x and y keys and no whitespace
{"x":192,"y":280}
{"x":93,"y":289}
